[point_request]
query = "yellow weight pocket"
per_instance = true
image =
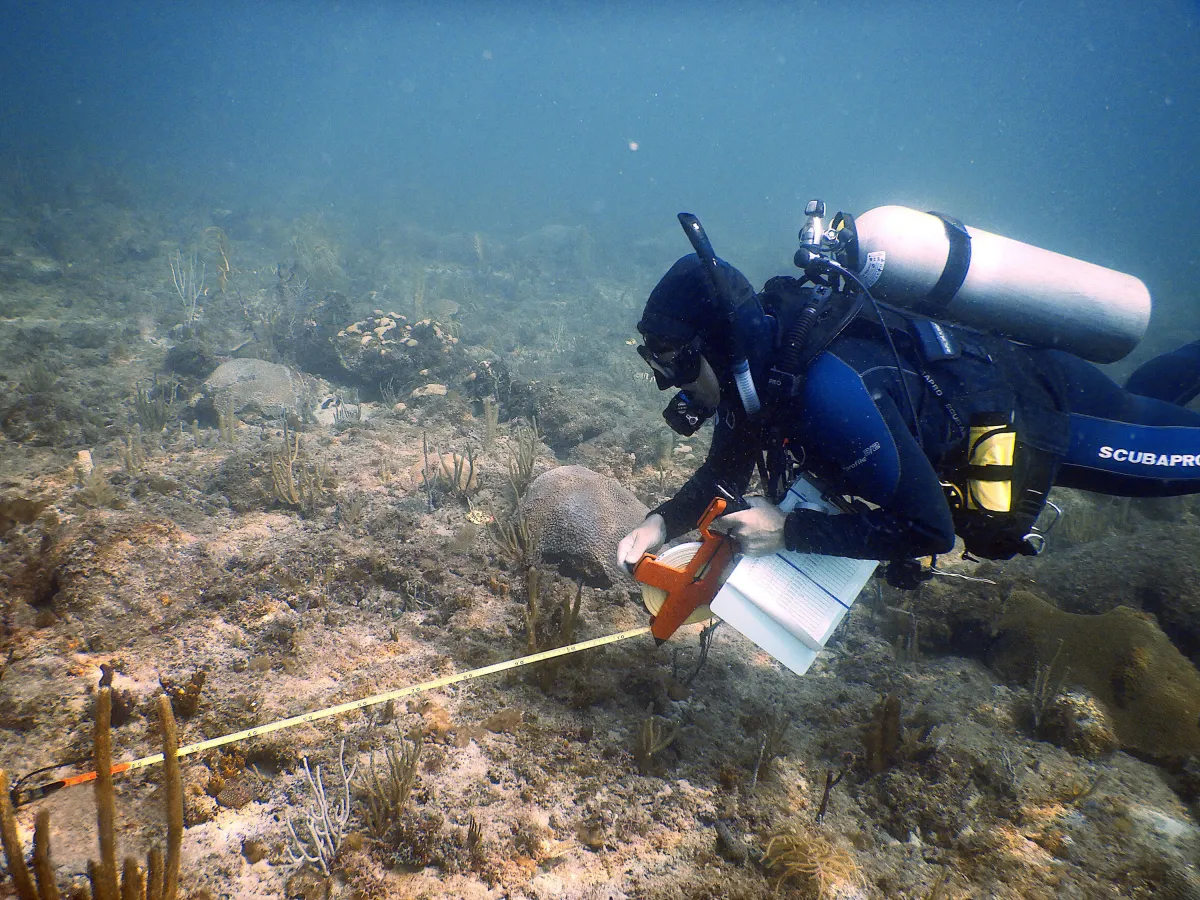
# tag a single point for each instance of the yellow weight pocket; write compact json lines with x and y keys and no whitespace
{"x":990,"y":453}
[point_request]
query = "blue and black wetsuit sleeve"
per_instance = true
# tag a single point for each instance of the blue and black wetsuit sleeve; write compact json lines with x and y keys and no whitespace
{"x":910,"y":517}
{"x":730,"y":463}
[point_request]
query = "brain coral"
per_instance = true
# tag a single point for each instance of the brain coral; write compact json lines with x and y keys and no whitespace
{"x":579,"y":516}
{"x":262,"y":387}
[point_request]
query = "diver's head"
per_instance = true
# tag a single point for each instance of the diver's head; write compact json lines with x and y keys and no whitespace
{"x":684,"y":323}
{"x":688,"y":338}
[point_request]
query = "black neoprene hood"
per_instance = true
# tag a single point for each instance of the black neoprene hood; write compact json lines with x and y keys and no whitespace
{"x":682,"y":306}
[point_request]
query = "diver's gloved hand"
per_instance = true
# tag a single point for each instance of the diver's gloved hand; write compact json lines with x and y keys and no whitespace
{"x":648,"y":536}
{"x":757,"y":530}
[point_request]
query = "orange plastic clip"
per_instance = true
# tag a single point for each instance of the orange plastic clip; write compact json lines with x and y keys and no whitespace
{"x":693,"y":586}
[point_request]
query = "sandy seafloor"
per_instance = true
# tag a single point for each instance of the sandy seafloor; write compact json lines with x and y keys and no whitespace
{"x":175,"y":557}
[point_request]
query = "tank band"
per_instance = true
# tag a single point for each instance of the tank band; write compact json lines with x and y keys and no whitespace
{"x":958,"y":261}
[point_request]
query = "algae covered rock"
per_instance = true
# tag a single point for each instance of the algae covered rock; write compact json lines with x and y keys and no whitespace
{"x":241,"y":480}
{"x":191,"y":357}
{"x":579,"y":516}
{"x":1150,"y":690}
{"x":258,"y":387}
{"x":24,"y":264}
{"x":1080,"y":724}
{"x":564,"y":422}
{"x":559,"y":249}
{"x":1153,"y":567}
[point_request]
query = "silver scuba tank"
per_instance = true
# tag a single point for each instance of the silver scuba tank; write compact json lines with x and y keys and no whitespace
{"x":934,"y":265}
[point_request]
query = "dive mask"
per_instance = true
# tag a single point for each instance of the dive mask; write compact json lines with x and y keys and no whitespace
{"x":672,"y":366}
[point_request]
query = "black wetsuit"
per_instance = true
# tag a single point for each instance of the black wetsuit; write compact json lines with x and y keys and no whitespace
{"x":852,"y":427}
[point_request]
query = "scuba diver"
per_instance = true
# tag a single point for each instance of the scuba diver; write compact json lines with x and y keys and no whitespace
{"x":918,"y":426}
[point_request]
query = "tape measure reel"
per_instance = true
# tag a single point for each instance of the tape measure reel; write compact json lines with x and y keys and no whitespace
{"x":677,"y":557}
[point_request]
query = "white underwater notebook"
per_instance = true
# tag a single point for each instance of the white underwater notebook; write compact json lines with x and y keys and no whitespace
{"x":790,"y":603}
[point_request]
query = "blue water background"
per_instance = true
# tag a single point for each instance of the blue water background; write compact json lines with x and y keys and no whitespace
{"x":1073,"y":125}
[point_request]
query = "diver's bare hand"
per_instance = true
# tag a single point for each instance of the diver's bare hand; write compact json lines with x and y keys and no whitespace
{"x":757,"y":530}
{"x":647,"y":537}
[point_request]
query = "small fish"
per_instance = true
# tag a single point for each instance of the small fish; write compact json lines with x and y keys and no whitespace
{"x":631,"y":343}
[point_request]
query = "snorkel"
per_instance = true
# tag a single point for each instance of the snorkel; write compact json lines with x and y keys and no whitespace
{"x":740,"y":366}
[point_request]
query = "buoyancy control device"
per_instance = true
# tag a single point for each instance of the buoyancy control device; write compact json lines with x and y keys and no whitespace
{"x":934,"y":265}
{"x":998,"y":488}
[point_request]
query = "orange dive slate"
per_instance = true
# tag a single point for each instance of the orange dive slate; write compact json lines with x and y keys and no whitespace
{"x":693,"y":586}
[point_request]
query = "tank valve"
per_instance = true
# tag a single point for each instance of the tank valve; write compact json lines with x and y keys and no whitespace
{"x":811,"y":234}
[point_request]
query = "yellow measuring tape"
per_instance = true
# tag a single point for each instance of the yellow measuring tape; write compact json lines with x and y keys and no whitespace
{"x":315,"y":716}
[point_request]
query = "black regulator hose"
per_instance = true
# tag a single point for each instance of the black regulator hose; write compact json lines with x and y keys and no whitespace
{"x":797,"y":337}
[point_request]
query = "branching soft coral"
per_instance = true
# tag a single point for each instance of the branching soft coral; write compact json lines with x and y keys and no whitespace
{"x":811,"y":860}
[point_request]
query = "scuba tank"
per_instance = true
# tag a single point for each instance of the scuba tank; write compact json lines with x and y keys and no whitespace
{"x":934,"y":265}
